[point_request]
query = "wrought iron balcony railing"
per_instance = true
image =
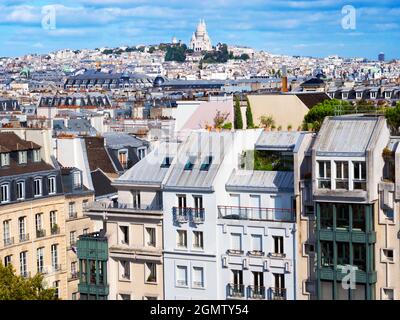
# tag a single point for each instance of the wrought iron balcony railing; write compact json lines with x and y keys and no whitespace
{"x":258,"y":214}
{"x":235,"y":290}
{"x":257,"y":292}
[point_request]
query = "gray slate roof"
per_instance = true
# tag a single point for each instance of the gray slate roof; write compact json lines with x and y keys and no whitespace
{"x":121,"y":140}
{"x":260,"y":181}
{"x":149,"y":171}
{"x":197,"y":147}
{"x":347,"y":135}
{"x":278,"y":140}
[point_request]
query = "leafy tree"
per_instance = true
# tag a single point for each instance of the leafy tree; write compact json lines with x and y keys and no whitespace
{"x":393,"y":118}
{"x":238,"y":121}
{"x":220,"y":118}
{"x":13,"y":287}
{"x":249,"y":116}
{"x":152,"y":49}
{"x":176,"y":53}
{"x":327,"y":108}
{"x":267,"y":121}
{"x":217,"y":56}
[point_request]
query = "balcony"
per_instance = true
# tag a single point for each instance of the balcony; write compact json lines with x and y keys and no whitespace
{"x":256,"y":214}
{"x":24,"y":237}
{"x":72,"y":215}
{"x":278,"y":294}
{"x":197,"y":215}
{"x":8,"y":241}
{"x":256,"y":253}
{"x":277,"y":255}
{"x":56,"y":267}
{"x":235,"y":291}
{"x":123,"y":207}
{"x":256,"y":292}
{"x":74,"y":276}
{"x":55,"y":230}
{"x":181,"y":215}
{"x":235,"y":252}
{"x":41,"y":233}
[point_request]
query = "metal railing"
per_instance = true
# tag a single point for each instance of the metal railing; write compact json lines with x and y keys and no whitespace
{"x":185,"y":214}
{"x":277,"y":255}
{"x":278,"y":293}
{"x":55,"y":230}
{"x":258,"y":214}
{"x":235,"y":290}
{"x":122,"y":206}
{"x":24,"y":237}
{"x":257,"y":292}
{"x":256,"y":253}
{"x":198,"y":284}
{"x":40,"y":233}
{"x":8,"y":241}
{"x":56,"y":267}
{"x":73,"y":215}
{"x":235,"y":252}
{"x":74,"y":275}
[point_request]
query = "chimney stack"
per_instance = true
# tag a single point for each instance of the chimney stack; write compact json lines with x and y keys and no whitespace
{"x":284,"y":79}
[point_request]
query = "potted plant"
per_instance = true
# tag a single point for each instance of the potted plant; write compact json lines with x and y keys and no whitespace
{"x":54,"y":228}
{"x":267,"y":122}
{"x":280,"y":128}
{"x":387,"y":153}
{"x":289,"y":127}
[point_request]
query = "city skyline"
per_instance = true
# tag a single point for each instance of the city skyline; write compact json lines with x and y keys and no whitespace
{"x":305,"y":28}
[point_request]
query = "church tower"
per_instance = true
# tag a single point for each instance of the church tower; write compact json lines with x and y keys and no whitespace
{"x":200,"y":39}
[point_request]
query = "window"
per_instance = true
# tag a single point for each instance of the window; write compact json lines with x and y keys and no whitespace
{"x":327,"y":254}
{"x":343,"y":253}
{"x":278,"y":246}
{"x":52,"y":185}
{"x":136,"y":199}
{"x":77,"y":178}
{"x":39,"y":225}
{"x":256,"y":243}
{"x":360,"y":176}
{"x":236,"y":242}
{"x":388,"y":294}
{"x":151,"y":272}
{"x":85,"y":231}
{"x":198,"y":240}
{"x":190,"y":164}
{"x":387,"y":255}
{"x":37,"y":187}
{"x":7,"y":260}
{"x":151,"y":237}
{"x":359,"y":256}
{"x":181,"y":276}
{"x":123,"y":158}
{"x":309,"y":249}
{"x":389,"y":214}
{"x":20,"y":190}
{"x":324,"y":174}
{"x":279,"y":291}
{"x":5,"y":159}
{"x":4,"y":193}
{"x":74,"y":268}
{"x":182,"y":238}
{"x":125,"y":270}
{"x":53,"y":223}
{"x":206,"y":163}
{"x":36,"y":155}
{"x":75,"y":296}
{"x":72,"y":238}
{"x":124,"y":234}
{"x":359,"y":214}
{"x":54,"y":257}
{"x":56,"y":286}
{"x":125,"y":296}
{"x":22,"y":264}
{"x":237,"y":277}
{"x":22,"y":157}
{"x":166,"y":162}
{"x":141,"y":153}
{"x":342,"y":216}
{"x":6,"y":233}
{"x":39,"y":260}
{"x":342,"y":175}
{"x":22,"y":229}
{"x":71,"y":210}
{"x":198,"y":277}
{"x":326,"y":215}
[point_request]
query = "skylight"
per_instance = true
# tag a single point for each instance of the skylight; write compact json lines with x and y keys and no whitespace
{"x":206,"y":163}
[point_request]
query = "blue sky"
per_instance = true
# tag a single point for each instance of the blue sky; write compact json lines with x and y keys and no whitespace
{"x":311,"y":28}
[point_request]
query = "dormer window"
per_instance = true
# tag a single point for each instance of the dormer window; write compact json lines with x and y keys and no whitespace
{"x":206,"y":164}
{"x":360,"y":176}
{"x":359,"y":95}
{"x":52,"y":185}
{"x":5,"y":159}
{"x":77,"y":180}
{"x":36,"y":155}
{"x":4,"y":193}
{"x":141,"y":153}
{"x":190,"y":164}
{"x":22,"y":157}
{"x":167,"y":162}
{"x":37,"y":187}
{"x":123,"y":158}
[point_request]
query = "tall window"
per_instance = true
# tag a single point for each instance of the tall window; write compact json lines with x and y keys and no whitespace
{"x":5,"y":159}
{"x":22,"y":157}
{"x":198,"y":240}
{"x":125,"y":270}
{"x":342,"y":175}
{"x":6,"y":233}
{"x":36,"y":155}
{"x":54,"y":257}
{"x":52,"y":185}
{"x":198,"y":277}
{"x":256,"y":243}
{"x":72,"y":238}
{"x":53,"y":219}
{"x":4,"y":193}
{"x":360,"y":176}
{"x":151,"y":272}
{"x":22,"y":264}
{"x":181,"y":276}
{"x":136,"y":199}
{"x":324,"y":174}
{"x":22,"y":229}
{"x":37,"y":187}
{"x":151,"y":237}
{"x":278,"y":245}
{"x":182,"y":238}
{"x":236,"y":242}
{"x":40,"y":260}
{"x":123,"y":158}
{"x":182,"y":201}
{"x":56,"y":286}
{"x":71,"y":210}
{"x":141,"y":153}
{"x":20,"y":190}
{"x":77,"y":180}
{"x":7,"y":260}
